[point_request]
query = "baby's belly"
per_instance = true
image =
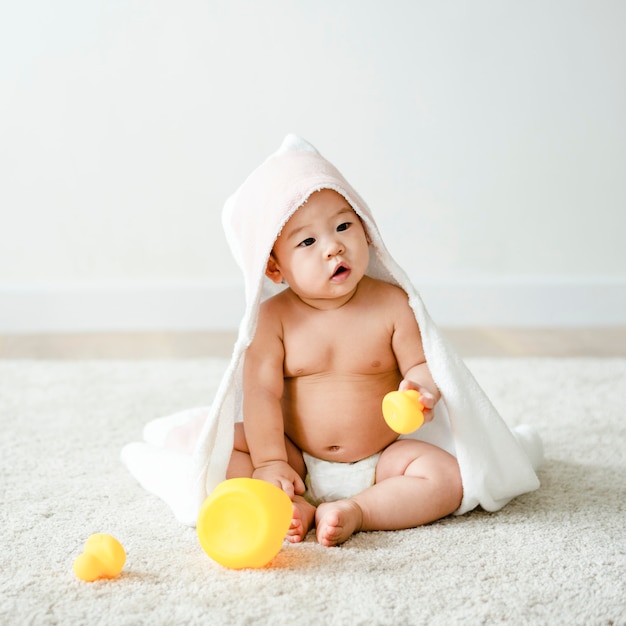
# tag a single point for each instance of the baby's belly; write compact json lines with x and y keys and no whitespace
{"x":338,"y":417}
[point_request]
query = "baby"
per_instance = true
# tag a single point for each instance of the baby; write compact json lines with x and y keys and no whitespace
{"x":325,"y":352}
{"x":299,"y":404}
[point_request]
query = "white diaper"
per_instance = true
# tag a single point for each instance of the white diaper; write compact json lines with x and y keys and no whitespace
{"x":328,"y":481}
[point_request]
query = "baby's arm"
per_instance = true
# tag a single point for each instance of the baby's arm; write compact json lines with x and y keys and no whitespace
{"x":407,"y":346}
{"x":263,"y":384}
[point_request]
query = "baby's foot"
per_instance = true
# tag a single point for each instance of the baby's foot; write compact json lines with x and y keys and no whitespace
{"x":302,"y":520}
{"x":337,"y":521}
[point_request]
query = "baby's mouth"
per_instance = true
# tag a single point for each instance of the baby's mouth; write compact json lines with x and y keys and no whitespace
{"x":341,"y":269}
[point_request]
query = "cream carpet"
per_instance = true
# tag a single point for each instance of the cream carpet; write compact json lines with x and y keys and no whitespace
{"x":556,"y":556}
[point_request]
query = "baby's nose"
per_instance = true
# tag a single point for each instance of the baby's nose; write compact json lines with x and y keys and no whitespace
{"x":334,"y":248}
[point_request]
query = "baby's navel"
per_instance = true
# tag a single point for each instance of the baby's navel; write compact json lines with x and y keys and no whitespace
{"x":376,"y":363}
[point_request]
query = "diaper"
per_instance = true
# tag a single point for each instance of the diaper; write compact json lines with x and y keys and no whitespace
{"x":328,"y":481}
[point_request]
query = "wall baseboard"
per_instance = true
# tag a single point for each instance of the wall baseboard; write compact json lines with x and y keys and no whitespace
{"x":191,"y":306}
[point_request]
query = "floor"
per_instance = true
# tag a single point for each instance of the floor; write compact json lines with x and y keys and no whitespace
{"x":470,"y":342}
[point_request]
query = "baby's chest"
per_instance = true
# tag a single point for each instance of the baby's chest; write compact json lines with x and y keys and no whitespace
{"x":350,"y":349}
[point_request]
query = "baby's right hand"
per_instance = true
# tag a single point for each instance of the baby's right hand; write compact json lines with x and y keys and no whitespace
{"x":427,"y":399}
{"x":281,"y":474}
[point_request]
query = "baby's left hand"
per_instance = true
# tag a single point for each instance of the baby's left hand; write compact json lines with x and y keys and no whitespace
{"x":427,"y":397}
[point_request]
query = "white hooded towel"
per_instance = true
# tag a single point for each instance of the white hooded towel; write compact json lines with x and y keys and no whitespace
{"x":496,"y":463}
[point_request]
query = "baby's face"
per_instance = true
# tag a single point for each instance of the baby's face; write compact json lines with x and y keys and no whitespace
{"x":322,"y":252}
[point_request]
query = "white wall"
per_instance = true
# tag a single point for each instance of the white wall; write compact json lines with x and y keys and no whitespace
{"x":489,"y":138}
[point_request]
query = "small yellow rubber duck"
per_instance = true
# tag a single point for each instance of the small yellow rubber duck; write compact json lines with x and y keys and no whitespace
{"x":403,"y":411}
{"x":103,"y":557}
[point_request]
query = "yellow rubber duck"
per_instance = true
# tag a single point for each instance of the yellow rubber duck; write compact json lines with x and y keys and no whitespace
{"x":403,"y":411}
{"x":243,"y":522}
{"x":103,"y":557}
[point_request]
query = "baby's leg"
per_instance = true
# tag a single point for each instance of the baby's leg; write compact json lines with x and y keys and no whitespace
{"x":240,"y":466}
{"x":416,"y":483}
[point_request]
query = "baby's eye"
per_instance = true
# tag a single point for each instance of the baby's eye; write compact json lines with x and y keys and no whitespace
{"x":307,"y":242}
{"x":343,"y":227}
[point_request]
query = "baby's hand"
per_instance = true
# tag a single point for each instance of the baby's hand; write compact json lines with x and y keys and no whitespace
{"x":427,"y":399}
{"x":281,"y":474}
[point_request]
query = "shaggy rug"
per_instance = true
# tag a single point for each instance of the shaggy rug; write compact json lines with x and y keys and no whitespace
{"x":555,"y":556}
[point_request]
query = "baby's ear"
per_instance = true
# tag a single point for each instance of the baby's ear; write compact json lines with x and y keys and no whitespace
{"x":272,"y":271}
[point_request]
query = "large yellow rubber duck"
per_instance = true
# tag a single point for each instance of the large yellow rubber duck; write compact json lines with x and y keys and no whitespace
{"x":243,"y":522}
